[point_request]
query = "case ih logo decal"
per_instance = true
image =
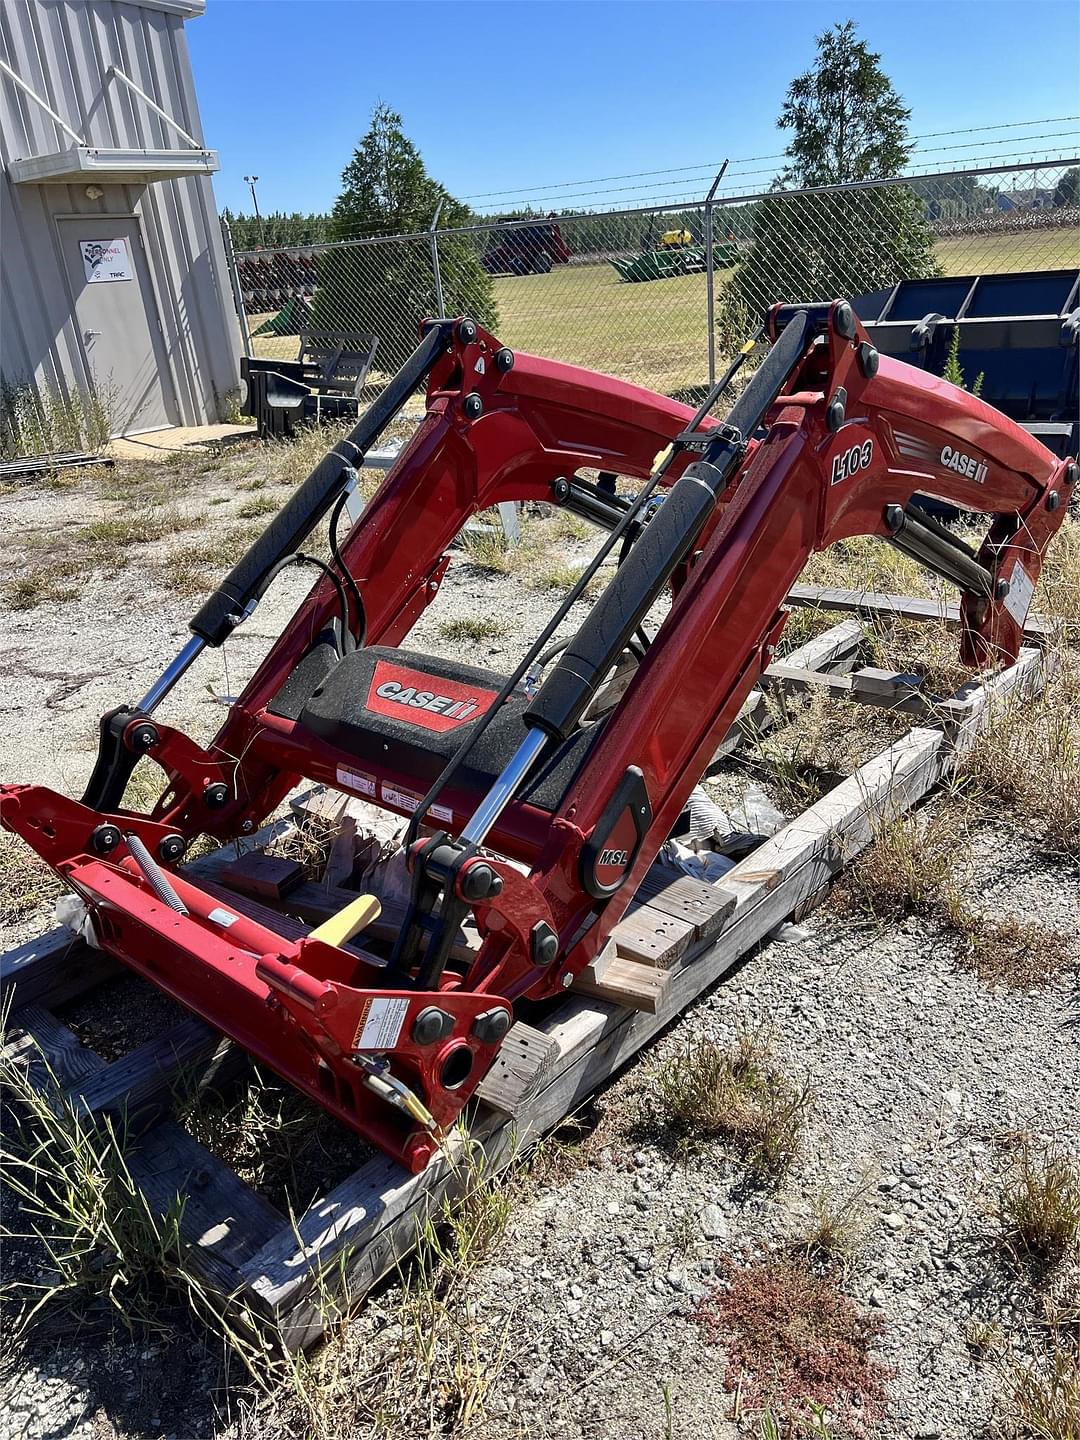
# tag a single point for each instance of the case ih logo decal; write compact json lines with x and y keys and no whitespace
{"x":852,"y":461}
{"x":424,"y":700}
{"x":965,"y":465}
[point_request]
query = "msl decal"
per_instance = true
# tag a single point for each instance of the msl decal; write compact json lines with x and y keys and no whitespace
{"x":424,"y":700}
{"x":852,"y":461}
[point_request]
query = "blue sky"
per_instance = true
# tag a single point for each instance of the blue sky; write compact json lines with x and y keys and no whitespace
{"x":516,"y":95}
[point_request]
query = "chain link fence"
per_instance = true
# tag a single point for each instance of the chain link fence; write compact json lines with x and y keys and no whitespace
{"x":663,"y":296}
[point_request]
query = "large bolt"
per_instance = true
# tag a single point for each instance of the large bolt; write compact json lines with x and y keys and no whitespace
{"x":104,"y":838}
{"x":479,"y":882}
{"x":144,"y":737}
{"x":1053,"y":500}
{"x":171,"y":848}
{"x":466,"y":331}
{"x":869,"y":359}
{"x":844,"y":320}
{"x":473,"y":406}
{"x":216,"y":795}
{"x":504,"y":360}
{"x":431,"y":1024}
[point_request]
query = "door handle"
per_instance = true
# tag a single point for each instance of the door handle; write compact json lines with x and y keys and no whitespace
{"x":90,"y":334}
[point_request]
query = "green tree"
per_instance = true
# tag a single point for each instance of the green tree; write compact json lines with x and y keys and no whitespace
{"x":847,"y":121}
{"x":387,"y":287}
{"x":847,"y":124}
{"x":1067,"y":191}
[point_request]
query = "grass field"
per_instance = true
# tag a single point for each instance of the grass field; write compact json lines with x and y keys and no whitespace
{"x":655,"y":333}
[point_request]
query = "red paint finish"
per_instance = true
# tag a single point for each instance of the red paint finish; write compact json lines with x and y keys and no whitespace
{"x":310,"y":1010}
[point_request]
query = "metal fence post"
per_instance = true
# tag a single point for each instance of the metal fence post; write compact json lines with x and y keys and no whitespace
{"x":432,"y":231}
{"x":710,"y":300}
{"x":234,"y":279}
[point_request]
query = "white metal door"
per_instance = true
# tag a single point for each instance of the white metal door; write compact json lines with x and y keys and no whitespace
{"x":117,"y":318}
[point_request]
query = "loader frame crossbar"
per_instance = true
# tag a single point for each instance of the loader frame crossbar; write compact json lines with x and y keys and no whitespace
{"x":827,"y":441}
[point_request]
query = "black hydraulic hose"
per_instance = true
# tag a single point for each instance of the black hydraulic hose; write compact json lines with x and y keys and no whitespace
{"x":569,"y":600}
{"x":360,"y":631}
{"x":299,"y":558}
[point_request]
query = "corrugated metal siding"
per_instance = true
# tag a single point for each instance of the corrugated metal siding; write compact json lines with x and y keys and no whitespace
{"x":63,"y":49}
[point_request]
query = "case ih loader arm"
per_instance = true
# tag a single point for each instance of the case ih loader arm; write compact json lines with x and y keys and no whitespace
{"x":828,"y":440}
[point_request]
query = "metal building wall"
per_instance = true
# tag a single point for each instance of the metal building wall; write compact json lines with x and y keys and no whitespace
{"x":63,"y":50}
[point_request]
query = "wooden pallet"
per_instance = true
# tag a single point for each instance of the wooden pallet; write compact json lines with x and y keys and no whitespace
{"x":677,"y":939}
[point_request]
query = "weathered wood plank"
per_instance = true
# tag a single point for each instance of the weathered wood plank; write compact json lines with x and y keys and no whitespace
{"x":705,"y":907}
{"x":52,"y":968}
{"x":265,"y":877}
{"x":652,"y":937}
{"x":136,"y":1084}
{"x":522,"y":1067}
{"x":55,"y":1055}
{"x":221,"y":1217}
{"x":626,"y":982}
{"x":223,"y":1220}
{"x":873,"y":603}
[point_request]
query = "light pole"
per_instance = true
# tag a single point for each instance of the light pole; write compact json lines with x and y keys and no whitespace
{"x":251,"y":180}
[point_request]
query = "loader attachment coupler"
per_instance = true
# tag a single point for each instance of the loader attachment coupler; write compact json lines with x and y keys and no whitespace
{"x":536,"y":800}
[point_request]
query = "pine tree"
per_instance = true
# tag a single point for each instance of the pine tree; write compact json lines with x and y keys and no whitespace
{"x":848,"y":124}
{"x":388,"y":288}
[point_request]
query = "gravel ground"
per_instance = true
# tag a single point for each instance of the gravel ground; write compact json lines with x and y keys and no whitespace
{"x":916,"y":1069}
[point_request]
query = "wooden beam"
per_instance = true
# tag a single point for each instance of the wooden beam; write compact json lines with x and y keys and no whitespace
{"x":873,"y":604}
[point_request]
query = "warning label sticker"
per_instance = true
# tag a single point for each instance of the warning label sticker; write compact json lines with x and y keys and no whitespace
{"x":354,"y":780}
{"x":380,"y":1024}
{"x":1021,"y":589}
{"x":407,"y":801}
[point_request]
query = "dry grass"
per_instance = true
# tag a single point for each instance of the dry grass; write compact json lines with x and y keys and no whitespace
{"x":26,"y":882}
{"x":811,"y":748}
{"x":738,"y":1096}
{"x":1038,"y":1205}
{"x":796,"y":1344}
{"x":838,"y":1230}
{"x":470,"y":628}
{"x":1027,"y":760}
{"x":48,"y":584}
{"x":1020,"y":953}
{"x":141,"y":528}
{"x":1043,"y":1399}
{"x":261,"y":505}
{"x":912,"y":868}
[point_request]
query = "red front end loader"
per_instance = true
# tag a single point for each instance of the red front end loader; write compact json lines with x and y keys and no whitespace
{"x":828,"y":440}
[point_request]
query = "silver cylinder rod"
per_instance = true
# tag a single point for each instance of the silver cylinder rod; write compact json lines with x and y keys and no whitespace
{"x":171,"y":674}
{"x":504,"y":788}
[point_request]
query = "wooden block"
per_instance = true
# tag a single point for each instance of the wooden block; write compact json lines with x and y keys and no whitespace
{"x":887,"y":683}
{"x":625,"y":982}
{"x":342,"y":858}
{"x":706,"y":907}
{"x":266,"y":877}
{"x":138,"y":1084}
{"x":651,"y":937}
{"x":597,"y":967}
{"x":522,"y":1067}
{"x":52,"y":968}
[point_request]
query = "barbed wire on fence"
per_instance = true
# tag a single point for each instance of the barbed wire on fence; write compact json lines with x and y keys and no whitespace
{"x":628,"y":291}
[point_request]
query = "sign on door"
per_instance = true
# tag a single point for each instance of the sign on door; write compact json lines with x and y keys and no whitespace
{"x":105,"y":260}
